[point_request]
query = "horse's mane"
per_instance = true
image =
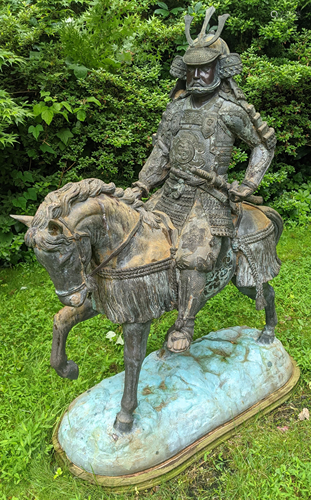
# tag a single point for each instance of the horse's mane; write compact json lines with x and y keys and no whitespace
{"x":59,"y":203}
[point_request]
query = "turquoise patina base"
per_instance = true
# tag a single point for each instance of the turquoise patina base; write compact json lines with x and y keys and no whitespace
{"x":181,"y":398}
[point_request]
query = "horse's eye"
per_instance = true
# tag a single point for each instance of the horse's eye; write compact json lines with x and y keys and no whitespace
{"x":54,"y":228}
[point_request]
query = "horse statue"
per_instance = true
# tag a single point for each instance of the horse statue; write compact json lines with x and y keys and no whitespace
{"x":107,"y":254}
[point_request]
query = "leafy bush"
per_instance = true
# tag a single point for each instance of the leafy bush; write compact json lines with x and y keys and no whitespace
{"x":86,"y":84}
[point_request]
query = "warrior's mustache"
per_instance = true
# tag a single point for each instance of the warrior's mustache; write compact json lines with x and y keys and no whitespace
{"x":195,"y":84}
{"x":201,"y":87}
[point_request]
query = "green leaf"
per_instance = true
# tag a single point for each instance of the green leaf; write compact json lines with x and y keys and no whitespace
{"x":197,"y":6}
{"x":6,"y":222}
{"x":46,"y":149}
{"x":38,"y":108}
{"x":93,"y":99}
{"x":6,"y":238}
{"x":79,"y":71}
{"x":47,"y":115}
{"x":163,"y":12}
{"x":110,"y":64}
{"x":28,"y":176}
{"x":32,"y":194}
{"x":35,"y":131}
{"x":34,"y":54}
{"x":162,"y":5}
{"x":176,"y":10}
{"x":67,"y":106}
{"x":65,"y":115}
{"x":20,"y":202}
{"x":81,"y":115}
{"x":64,"y":135}
{"x":125,"y":57}
{"x":31,"y":153}
{"x":56,"y":107}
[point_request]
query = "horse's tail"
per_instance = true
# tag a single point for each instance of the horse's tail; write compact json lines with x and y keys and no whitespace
{"x":276,"y":219}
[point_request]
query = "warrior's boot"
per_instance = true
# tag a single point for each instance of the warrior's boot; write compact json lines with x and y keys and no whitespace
{"x":191,"y":300}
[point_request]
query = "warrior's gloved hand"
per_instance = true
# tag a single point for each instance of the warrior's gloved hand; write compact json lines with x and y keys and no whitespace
{"x":239,"y":193}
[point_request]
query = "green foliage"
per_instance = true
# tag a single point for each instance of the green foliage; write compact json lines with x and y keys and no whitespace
{"x":83,"y":41}
{"x":10,"y":111}
{"x":257,"y":462}
{"x":7,"y":57}
{"x":165,"y":12}
{"x":84,"y":84}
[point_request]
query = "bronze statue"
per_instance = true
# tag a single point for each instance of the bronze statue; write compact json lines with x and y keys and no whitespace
{"x":108,"y":252}
{"x":196,"y":136}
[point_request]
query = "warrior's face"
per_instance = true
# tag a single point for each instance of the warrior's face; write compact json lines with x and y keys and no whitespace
{"x":201,"y":78}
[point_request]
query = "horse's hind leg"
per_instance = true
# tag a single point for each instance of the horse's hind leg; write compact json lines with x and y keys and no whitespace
{"x":64,"y":321}
{"x":135,"y":343}
{"x":267,"y":335}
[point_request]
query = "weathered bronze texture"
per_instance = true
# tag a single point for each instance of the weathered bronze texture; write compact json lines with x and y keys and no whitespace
{"x":191,"y":155}
{"x":109,"y":253}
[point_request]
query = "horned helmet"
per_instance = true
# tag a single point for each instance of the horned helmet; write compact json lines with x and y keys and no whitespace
{"x":205,"y":49}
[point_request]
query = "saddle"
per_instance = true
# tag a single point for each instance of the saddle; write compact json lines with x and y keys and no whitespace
{"x":258,"y":230}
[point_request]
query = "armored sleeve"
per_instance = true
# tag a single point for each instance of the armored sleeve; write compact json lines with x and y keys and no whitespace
{"x":157,"y":165}
{"x":243,"y":122}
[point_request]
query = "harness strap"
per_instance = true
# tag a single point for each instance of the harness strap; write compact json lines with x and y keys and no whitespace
{"x":120,"y":248}
{"x":70,"y":292}
{"x":67,"y":227}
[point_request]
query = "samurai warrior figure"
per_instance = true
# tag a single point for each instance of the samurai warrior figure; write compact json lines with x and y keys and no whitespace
{"x":194,"y":144}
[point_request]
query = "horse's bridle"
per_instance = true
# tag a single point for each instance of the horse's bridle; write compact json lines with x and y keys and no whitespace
{"x":88,"y":282}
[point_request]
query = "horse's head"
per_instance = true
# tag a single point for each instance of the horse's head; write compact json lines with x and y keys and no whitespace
{"x":77,"y":223}
{"x":65,"y":255}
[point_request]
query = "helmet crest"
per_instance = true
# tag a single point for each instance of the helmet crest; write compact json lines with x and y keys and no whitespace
{"x":203,"y":40}
{"x":204,"y":48}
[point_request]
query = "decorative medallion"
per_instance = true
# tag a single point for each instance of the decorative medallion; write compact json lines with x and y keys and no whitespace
{"x":187,"y":149}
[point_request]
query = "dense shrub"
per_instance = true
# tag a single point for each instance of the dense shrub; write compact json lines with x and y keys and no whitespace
{"x":84,"y":85}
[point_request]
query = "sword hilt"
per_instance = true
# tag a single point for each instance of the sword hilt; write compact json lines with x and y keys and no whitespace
{"x":220,"y":183}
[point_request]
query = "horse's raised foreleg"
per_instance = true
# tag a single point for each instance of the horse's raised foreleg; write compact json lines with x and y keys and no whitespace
{"x":135,"y":343}
{"x":267,"y":335}
{"x":64,"y":321}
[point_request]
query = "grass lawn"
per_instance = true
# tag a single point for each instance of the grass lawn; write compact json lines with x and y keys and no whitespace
{"x":260,"y":462}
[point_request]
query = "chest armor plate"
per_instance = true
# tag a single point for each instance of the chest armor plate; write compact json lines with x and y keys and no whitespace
{"x":200,"y":139}
{"x":194,"y":137}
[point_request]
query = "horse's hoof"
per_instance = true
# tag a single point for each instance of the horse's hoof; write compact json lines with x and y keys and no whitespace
{"x":123,"y":423}
{"x":267,"y":336}
{"x":70,"y":371}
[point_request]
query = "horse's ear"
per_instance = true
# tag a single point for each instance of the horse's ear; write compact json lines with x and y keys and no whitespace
{"x":25,"y":219}
{"x":55,"y":228}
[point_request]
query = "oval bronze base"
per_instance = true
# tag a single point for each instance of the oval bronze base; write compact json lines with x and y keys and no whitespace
{"x":177,"y":464}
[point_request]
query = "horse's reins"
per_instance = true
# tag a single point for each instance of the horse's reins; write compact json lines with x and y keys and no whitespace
{"x":113,"y":254}
{"x":119,"y":248}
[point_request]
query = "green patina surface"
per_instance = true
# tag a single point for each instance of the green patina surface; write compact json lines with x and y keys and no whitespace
{"x":182,"y":397}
